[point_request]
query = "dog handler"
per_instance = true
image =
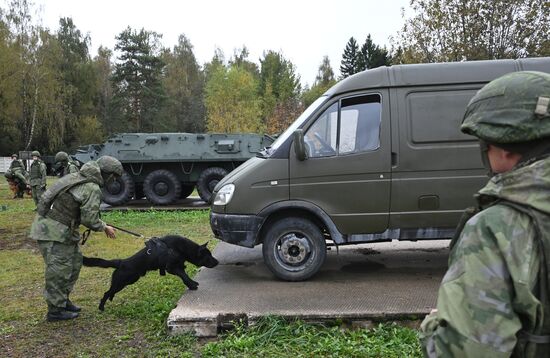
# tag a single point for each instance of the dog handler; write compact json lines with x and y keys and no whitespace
{"x":71,"y":201}
{"x":494,"y":300}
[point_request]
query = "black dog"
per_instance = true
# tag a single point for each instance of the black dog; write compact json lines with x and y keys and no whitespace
{"x":166,"y":254}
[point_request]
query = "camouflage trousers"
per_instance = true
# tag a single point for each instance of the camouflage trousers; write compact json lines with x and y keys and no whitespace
{"x":37,"y":192}
{"x":63,"y":263}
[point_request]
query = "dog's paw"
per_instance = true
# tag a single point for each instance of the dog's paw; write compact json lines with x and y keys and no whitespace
{"x":101,"y":308}
{"x":193,"y":285}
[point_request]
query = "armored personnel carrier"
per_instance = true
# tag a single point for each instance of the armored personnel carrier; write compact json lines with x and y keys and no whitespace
{"x":165,"y":167}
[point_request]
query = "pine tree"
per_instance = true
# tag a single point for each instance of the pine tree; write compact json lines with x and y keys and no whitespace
{"x":348,"y":65}
{"x":372,"y":56}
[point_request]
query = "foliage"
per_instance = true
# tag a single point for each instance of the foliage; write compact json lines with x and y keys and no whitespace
{"x":370,"y":55}
{"x":139,"y":94}
{"x":184,"y":85}
{"x":232,"y":102}
{"x":323,"y":81}
{"x":459,"y":30}
{"x":325,"y":74}
{"x":279,"y":89}
{"x":89,"y":130}
{"x":103,"y":68}
{"x":348,"y":65}
{"x":271,"y":334}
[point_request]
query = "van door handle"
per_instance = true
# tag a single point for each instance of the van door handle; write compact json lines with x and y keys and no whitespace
{"x":393,"y":159}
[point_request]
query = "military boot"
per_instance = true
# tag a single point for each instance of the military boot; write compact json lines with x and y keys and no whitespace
{"x":60,"y":315}
{"x":71,"y":307}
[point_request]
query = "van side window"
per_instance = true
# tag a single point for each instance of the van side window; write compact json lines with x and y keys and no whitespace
{"x":360,"y":124}
{"x":321,"y":137}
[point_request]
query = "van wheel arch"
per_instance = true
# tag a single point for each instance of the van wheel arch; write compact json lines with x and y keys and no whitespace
{"x":300,"y":209}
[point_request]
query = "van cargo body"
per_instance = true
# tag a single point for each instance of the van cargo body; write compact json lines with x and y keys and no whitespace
{"x":378,"y":157}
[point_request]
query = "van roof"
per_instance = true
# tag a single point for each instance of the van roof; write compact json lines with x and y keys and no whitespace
{"x":437,"y":73}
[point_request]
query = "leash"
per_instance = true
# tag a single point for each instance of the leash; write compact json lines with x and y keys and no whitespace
{"x":86,"y":234}
{"x":128,"y":231}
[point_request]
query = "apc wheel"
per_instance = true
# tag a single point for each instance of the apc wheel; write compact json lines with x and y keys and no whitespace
{"x":186,"y":190}
{"x":208,"y":180}
{"x":294,"y":249}
{"x":119,"y":191}
{"x":162,"y":187}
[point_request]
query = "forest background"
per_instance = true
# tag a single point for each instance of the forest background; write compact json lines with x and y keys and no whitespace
{"x":55,"y":96}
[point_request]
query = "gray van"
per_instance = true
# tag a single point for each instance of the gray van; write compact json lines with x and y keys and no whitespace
{"x":378,"y":157}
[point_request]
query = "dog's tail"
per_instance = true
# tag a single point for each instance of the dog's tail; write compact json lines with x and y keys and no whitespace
{"x":97,"y":262}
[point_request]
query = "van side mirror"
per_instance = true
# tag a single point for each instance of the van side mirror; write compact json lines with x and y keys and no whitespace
{"x":299,"y":145}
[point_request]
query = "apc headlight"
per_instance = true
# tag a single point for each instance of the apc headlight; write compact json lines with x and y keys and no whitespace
{"x":223,"y":197}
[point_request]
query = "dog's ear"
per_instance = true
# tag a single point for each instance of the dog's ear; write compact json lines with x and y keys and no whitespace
{"x":205,"y":244}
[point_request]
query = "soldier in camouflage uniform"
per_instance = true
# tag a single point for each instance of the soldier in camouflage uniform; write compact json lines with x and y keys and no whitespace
{"x":64,"y":165}
{"x":18,"y":175}
{"x":37,"y":176}
{"x":494,"y":299}
{"x":71,"y":201}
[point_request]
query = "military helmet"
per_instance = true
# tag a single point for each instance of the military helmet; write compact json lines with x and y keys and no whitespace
{"x":35,"y":153}
{"x":513,"y":108}
{"x":61,"y":157}
{"x":14,"y":155}
{"x":108,"y":165}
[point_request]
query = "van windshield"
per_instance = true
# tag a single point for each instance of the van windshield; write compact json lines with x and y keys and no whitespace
{"x":296,"y":124}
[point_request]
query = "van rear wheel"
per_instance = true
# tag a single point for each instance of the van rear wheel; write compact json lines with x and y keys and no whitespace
{"x":294,"y":249}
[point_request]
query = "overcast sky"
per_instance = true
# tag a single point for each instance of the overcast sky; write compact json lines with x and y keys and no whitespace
{"x":303,"y":30}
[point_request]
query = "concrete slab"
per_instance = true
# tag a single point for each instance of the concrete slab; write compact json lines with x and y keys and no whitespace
{"x":359,"y":283}
{"x":189,"y":203}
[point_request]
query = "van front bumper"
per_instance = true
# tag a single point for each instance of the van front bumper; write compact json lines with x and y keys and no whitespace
{"x":239,"y":230}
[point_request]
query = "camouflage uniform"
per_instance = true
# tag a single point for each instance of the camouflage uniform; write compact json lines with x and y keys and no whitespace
{"x":494,"y":299}
{"x":37,"y":178}
{"x":64,"y":164}
{"x":18,"y":176}
{"x":74,"y":200}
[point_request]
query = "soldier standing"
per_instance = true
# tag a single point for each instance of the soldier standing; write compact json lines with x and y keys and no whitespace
{"x":71,"y":201}
{"x":37,"y":176}
{"x":494,"y":300}
{"x":64,"y":165}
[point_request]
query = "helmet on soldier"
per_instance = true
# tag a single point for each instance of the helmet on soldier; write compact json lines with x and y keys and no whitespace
{"x":35,"y":153}
{"x":61,"y":157}
{"x":511,"y":109}
{"x":110,"y":165}
{"x":14,"y":156}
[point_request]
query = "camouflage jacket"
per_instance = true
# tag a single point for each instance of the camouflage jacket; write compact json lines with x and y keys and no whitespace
{"x":71,"y":167}
{"x":38,"y":173}
{"x":490,"y":293}
{"x":89,"y":196}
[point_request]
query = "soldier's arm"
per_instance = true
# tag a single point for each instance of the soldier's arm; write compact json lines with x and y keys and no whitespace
{"x":73,"y":168}
{"x":90,"y":195}
{"x":43,"y":174}
{"x":474,"y":314}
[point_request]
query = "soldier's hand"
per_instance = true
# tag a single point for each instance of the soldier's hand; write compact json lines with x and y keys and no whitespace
{"x":110,"y":231}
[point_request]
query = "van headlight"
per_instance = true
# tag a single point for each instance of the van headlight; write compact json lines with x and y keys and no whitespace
{"x":224,"y":195}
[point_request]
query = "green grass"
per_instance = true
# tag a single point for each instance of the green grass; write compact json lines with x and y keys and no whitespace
{"x":274,"y":337}
{"x":133,"y":325}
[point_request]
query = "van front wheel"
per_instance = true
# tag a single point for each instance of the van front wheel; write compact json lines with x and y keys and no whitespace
{"x":294,"y":249}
